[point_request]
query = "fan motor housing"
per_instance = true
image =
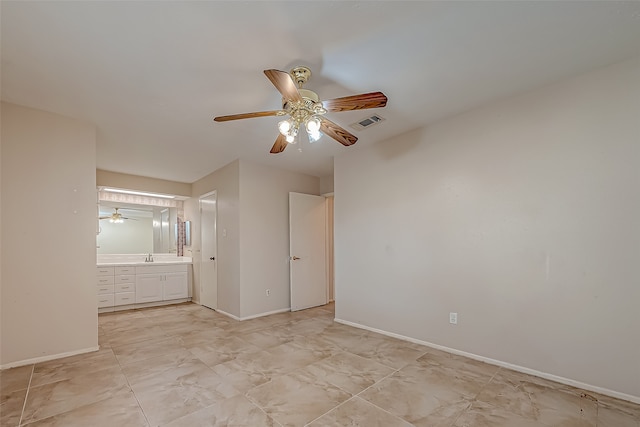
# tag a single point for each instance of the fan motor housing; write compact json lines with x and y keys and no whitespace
{"x":309,"y":100}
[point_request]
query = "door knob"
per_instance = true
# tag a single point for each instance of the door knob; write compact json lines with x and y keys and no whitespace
{"x":295,"y":258}
{"x":212,"y":258}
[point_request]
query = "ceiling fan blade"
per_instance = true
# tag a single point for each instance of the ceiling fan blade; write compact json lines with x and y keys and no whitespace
{"x":249,"y":115}
{"x":356,"y":102}
{"x":132,"y":219}
{"x":284,"y":83}
{"x":336,"y":132}
{"x":104,"y":217}
{"x":280,"y":144}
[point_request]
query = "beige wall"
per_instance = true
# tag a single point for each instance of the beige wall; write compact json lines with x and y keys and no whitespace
{"x":253,"y":208}
{"x":326,"y":184}
{"x":226,"y":182}
{"x":141,"y":183}
{"x":264,"y":235}
{"x":522,"y":217}
{"x":48,"y":236}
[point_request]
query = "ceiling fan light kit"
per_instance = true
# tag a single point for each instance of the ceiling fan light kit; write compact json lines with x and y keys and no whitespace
{"x":116,"y":217}
{"x":305,"y":110}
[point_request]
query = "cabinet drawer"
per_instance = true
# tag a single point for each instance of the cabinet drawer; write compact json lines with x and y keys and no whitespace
{"x":125,"y":279}
{"x":105,"y":301}
{"x":125,"y":298}
{"x":105,"y":289}
{"x":125,"y":270}
{"x":125,"y":287}
{"x":155,"y":269}
{"x":105,"y":271}
{"x":105,"y":280}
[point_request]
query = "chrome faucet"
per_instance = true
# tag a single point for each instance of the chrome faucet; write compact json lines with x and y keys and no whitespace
{"x":149,"y":258}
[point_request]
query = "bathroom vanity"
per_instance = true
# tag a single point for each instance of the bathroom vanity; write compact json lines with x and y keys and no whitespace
{"x":127,"y":281}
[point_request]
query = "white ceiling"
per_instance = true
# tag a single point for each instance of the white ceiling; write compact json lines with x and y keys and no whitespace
{"x":151,"y":75}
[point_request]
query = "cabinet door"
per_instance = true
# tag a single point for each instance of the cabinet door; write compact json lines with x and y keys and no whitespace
{"x":175,"y":286}
{"x":149,"y":287}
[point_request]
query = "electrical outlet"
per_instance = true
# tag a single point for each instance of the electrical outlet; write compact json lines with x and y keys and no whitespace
{"x":453,"y":318}
{"x":268,"y":292}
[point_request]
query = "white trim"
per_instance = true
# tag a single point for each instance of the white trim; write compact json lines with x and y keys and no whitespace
{"x":547,"y":376}
{"x":268,"y":313}
{"x":254,"y":316}
{"x":227,"y":314}
{"x":47,"y":358}
{"x":152,"y":304}
{"x":138,"y":193}
{"x":205,"y":195}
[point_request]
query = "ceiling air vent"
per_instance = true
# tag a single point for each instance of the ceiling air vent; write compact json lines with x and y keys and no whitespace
{"x":367,"y":122}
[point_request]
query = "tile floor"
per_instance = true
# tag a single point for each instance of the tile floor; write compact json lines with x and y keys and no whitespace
{"x":185,"y":365}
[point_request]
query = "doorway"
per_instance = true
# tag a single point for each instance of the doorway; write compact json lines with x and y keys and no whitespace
{"x":209,"y":239}
{"x":308,"y":251}
{"x":329,"y":249}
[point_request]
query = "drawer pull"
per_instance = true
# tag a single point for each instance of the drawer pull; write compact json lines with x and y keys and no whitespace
{"x":104,"y":300}
{"x":104,"y":289}
{"x":103,"y":280}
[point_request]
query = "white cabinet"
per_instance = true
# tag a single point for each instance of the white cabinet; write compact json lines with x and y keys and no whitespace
{"x":105,"y":289}
{"x":105,"y":282}
{"x":175,"y":286}
{"x":161,"y":283}
{"x":105,"y":301}
{"x":126,"y":287}
{"x":148,"y":288}
{"x":125,"y":271}
{"x":122,"y":287}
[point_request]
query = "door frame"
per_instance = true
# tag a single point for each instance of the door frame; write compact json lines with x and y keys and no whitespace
{"x":329,"y":245}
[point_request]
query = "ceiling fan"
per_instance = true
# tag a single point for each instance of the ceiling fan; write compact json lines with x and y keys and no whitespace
{"x":116,"y":217}
{"x":305,"y":109}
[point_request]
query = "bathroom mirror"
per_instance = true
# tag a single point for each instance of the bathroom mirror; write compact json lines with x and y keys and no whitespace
{"x":146,"y":229}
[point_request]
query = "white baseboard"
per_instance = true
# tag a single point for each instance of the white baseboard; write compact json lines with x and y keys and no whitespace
{"x":268,"y":313}
{"x":547,"y":376}
{"x":154,"y":304}
{"x":47,"y":358}
{"x":254,"y":316}
{"x":228,"y":314}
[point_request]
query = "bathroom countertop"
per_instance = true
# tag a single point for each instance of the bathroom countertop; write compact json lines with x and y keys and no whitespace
{"x":139,"y":263}
{"x":124,"y":260}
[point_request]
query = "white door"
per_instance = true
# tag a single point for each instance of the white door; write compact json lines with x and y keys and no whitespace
{"x":307,"y":222}
{"x":208,"y":264}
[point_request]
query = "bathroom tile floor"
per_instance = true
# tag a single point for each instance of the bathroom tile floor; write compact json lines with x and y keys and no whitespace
{"x":186,"y":365}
